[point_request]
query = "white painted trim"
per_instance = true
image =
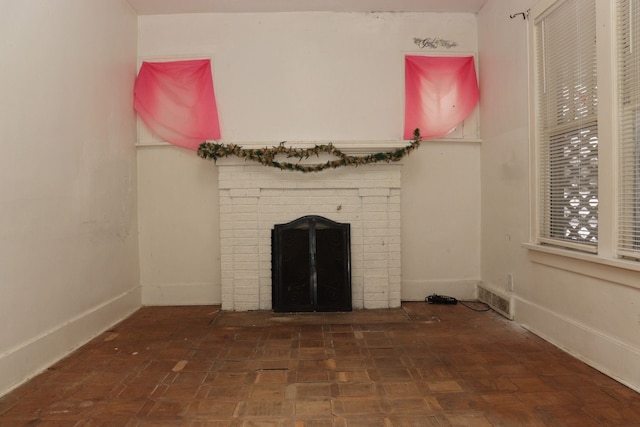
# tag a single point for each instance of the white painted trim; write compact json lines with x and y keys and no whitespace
{"x":608,"y":355}
{"x":181,"y":294}
{"x":612,"y":270}
{"x":348,"y":147}
{"x":23,"y":362}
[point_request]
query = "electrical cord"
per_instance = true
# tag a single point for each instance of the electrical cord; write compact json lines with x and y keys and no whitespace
{"x":468,"y":304}
{"x":443,"y":299}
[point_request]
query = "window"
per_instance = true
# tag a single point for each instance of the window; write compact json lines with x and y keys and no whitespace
{"x":629,"y":128}
{"x":585,"y":63}
{"x":567,"y":125}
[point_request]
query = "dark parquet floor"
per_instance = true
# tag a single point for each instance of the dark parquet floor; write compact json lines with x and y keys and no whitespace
{"x":420,"y":365}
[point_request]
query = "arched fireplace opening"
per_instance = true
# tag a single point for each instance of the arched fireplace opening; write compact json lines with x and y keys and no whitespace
{"x":311,"y":265}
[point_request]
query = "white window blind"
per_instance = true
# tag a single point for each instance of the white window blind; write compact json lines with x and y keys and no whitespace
{"x":629,"y":128}
{"x":568,"y":125}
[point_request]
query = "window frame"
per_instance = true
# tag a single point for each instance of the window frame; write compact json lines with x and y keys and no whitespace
{"x":544,"y":215}
{"x":608,"y":263}
{"x":628,"y":119}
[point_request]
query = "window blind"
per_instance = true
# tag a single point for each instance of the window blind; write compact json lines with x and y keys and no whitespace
{"x":629,"y":128}
{"x":568,"y":125}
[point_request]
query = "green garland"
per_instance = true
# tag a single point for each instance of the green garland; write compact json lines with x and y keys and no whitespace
{"x":267,"y":156}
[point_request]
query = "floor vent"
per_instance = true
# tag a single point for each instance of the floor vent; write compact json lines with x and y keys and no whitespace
{"x":499,"y":303}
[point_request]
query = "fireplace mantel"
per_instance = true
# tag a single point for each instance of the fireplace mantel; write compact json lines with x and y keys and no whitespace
{"x":354,"y":148}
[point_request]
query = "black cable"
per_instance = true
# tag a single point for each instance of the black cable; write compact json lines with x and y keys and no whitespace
{"x":466,"y":304}
{"x":443,"y":299}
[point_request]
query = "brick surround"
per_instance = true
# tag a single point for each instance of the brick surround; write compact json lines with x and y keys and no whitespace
{"x":253,"y":198}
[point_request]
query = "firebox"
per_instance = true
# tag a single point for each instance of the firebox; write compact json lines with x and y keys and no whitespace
{"x":311,"y":265}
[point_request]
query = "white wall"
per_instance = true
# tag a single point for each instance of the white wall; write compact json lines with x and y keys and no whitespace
{"x":68,"y":228}
{"x":306,"y":77}
{"x":179,"y":233}
{"x":441,"y":221}
{"x":589,"y":309}
{"x":505,"y":150}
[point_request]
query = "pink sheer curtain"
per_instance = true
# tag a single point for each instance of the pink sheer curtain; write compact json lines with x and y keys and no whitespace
{"x":177,"y":102}
{"x":441,"y":91}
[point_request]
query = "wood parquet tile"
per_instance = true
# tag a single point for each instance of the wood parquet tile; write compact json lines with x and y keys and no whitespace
{"x":421,"y":365}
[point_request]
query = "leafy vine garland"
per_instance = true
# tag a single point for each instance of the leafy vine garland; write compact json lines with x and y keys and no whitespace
{"x":267,"y":156}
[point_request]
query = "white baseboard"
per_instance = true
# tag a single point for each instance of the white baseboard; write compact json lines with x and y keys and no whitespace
{"x":604,"y":353}
{"x":418,"y":290}
{"x":181,"y":294}
{"x":30,"y":358}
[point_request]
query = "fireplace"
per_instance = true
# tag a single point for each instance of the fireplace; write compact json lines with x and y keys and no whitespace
{"x":311,"y":258}
{"x":254,"y":198}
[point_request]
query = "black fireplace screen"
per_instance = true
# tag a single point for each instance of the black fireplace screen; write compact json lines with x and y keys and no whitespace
{"x":311,"y":265}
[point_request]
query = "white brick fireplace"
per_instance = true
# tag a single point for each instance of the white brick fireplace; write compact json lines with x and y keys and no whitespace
{"x":253,"y":198}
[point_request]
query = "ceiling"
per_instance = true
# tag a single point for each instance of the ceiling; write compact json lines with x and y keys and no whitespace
{"x":160,"y":7}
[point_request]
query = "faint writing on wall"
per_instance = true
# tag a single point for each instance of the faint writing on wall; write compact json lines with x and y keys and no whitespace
{"x":434,"y":43}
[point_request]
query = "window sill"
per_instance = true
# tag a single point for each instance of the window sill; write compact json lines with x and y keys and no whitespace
{"x":609,"y":269}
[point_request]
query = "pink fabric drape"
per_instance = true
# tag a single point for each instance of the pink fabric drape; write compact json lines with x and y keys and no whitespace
{"x":441,"y":91}
{"x":177,"y":102}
